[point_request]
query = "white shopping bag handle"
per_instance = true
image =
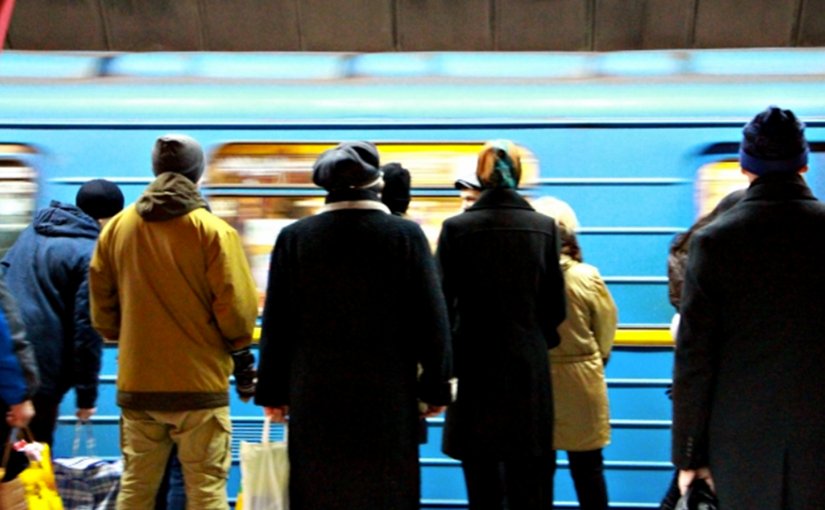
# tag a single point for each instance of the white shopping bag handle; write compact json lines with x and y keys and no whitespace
{"x":78,"y":436}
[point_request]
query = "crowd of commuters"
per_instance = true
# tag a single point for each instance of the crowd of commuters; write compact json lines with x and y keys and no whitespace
{"x":365,"y":333}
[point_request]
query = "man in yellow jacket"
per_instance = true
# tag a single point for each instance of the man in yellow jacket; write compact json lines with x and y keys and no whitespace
{"x":169,"y":281}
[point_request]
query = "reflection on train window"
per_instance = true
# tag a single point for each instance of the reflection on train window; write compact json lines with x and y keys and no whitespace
{"x":18,"y":190}
{"x":715,"y":180}
{"x":259,"y":188}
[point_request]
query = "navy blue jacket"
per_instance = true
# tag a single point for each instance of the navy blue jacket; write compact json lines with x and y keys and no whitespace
{"x":47,"y":272}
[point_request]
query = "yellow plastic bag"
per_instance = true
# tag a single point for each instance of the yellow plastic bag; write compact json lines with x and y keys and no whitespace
{"x":38,"y":481}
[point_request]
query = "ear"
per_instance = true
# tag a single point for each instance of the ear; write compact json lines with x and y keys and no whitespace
{"x":750,"y":175}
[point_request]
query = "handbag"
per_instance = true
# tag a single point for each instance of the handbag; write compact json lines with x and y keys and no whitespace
{"x":12,"y":493}
{"x":698,"y":497}
{"x":265,"y":473}
{"x":87,"y":482}
{"x":37,"y":480}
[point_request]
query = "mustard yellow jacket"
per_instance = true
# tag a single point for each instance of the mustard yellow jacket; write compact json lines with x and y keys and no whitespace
{"x":173,"y":287}
{"x":579,"y":389}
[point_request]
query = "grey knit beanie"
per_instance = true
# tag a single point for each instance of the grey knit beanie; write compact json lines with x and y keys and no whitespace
{"x":178,"y":153}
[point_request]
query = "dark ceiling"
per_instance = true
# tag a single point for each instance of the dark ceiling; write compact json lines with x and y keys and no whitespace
{"x":412,"y":25}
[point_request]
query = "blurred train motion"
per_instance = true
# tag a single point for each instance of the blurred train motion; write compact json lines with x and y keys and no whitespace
{"x":639,"y":143}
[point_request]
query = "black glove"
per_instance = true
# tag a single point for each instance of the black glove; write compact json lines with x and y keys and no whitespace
{"x":245,"y":373}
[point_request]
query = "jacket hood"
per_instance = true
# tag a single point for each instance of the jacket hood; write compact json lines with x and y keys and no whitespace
{"x":169,"y":196}
{"x":65,"y":220}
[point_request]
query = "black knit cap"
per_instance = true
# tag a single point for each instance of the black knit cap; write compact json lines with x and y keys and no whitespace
{"x":347,"y":166}
{"x":774,"y":141}
{"x":396,"y":192}
{"x":99,"y":198}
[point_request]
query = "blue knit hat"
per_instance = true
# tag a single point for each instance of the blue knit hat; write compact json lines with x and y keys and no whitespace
{"x":774,"y":141}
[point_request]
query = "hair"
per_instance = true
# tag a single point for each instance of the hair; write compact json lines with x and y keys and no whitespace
{"x":727,"y":202}
{"x":499,"y":165}
{"x":570,"y":243}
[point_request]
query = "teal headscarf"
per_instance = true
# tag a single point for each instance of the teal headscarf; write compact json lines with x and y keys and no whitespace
{"x":504,"y":168}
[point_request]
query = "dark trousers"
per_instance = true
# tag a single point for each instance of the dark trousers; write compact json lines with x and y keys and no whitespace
{"x":587,"y":471}
{"x":46,"y":410}
{"x":522,"y":484}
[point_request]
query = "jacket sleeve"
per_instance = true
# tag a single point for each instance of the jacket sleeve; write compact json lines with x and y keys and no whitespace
{"x":275,"y":354}
{"x":603,"y":314}
{"x":88,"y":347}
{"x":104,"y":303}
{"x":693,"y":376}
{"x":235,"y":298}
{"x":552,"y":298}
{"x":22,"y":348}
{"x":433,"y":326}
{"x":12,"y":383}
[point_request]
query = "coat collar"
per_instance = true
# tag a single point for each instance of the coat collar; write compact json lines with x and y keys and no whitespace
{"x":790,"y":186}
{"x":356,"y":204}
{"x":500,"y":198}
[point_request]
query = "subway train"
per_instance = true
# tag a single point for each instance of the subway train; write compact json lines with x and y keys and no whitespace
{"x":639,"y":143}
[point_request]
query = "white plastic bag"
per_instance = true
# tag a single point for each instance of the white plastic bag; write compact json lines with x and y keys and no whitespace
{"x":265,"y":473}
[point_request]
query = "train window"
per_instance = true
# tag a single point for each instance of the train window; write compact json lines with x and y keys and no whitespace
{"x":715,"y":180}
{"x":259,"y":188}
{"x":18,"y":190}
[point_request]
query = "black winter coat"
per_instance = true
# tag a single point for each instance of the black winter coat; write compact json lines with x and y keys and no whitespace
{"x":749,"y":388}
{"x":47,"y":271}
{"x":353,"y":305}
{"x":505,"y":293}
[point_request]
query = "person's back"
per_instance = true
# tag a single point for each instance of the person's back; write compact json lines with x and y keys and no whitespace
{"x":505,"y":294}
{"x":353,"y":307}
{"x":767,"y":283}
{"x":46,"y":271}
{"x":169,"y":282}
{"x":748,"y":400}
{"x":169,"y":273}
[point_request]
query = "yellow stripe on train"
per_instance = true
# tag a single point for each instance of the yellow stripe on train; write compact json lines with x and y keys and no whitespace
{"x":624,"y":337}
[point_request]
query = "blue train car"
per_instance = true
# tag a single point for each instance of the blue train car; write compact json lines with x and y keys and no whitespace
{"x":638,"y":143}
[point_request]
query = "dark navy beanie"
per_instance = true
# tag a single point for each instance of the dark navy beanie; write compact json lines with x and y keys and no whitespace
{"x":774,"y":141}
{"x":396,"y":192}
{"x":347,"y":166}
{"x":99,"y":198}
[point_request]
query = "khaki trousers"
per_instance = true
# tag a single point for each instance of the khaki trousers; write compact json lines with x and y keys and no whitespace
{"x":203,"y":440}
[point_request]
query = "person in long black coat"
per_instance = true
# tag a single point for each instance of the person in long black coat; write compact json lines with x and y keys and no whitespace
{"x":505,"y":293}
{"x":748,"y":399}
{"x":353,"y":305}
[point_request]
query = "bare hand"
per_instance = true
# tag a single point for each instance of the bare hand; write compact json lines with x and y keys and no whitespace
{"x":85,"y":414}
{"x":277,"y":414}
{"x":686,"y":477}
{"x":19,"y":415}
{"x":432,"y":411}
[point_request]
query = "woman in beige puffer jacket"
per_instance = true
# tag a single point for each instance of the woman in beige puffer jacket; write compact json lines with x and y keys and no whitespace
{"x":581,"y":425}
